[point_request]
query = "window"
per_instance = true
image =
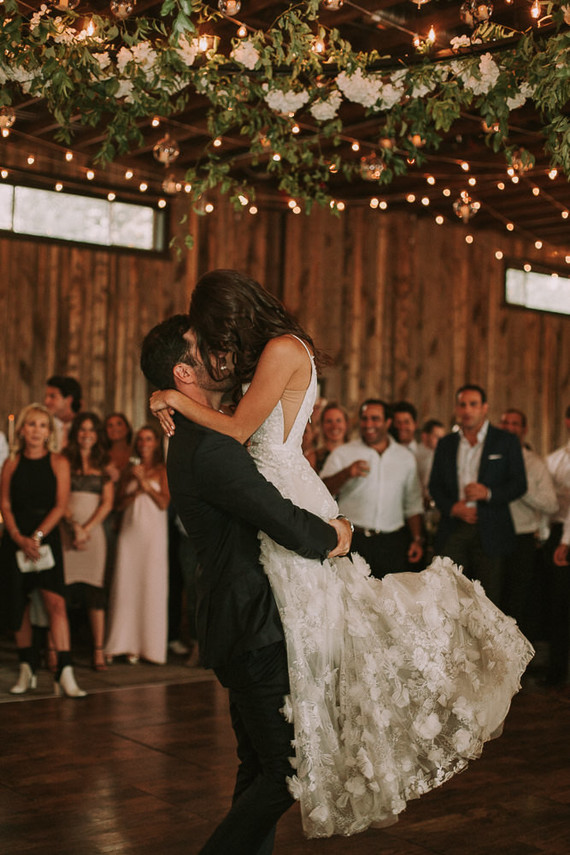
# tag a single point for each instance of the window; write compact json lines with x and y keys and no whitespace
{"x":86,"y":219}
{"x":537,"y":289}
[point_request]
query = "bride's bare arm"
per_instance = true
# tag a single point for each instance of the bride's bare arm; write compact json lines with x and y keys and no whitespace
{"x":282,"y":365}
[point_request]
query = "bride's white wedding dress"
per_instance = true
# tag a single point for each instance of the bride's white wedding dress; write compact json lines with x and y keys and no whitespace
{"x":395,"y":683}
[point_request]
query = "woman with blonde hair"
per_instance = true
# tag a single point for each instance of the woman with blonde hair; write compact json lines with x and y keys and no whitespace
{"x":33,"y":496}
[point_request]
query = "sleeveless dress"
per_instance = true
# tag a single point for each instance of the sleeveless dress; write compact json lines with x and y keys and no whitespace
{"x":85,"y":568}
{"x":33,"y":490}
{"x":395,"y":683}
{"x":139,"y":590}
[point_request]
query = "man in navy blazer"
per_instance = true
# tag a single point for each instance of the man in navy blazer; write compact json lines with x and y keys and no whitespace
{"x":223,"y":502}
{"x":476,"y":472}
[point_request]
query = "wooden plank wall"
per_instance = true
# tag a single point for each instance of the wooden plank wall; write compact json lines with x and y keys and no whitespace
{"x":404,"y":308}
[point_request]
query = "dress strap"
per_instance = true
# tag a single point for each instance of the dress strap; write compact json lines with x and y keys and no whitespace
{"x":304,"y":343}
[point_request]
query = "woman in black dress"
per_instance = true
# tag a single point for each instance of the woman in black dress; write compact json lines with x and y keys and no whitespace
{"x":33,"y":497}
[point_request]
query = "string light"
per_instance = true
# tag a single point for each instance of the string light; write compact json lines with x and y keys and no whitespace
{"x":465,"y":166}
{"x":253,"y":209}
{"x":187,"y":188}
{"x":564,"y":215}
{"x":538,"y":244}
{"x":425,"y":201}
{"x":510,"y":227}
{"x":439,"y":220}
{"x":4,"y":173}
{"x":527,"y":268}
{"x":552,"y":174}
{"x":472,"y":181}
{"x":355,"y":146}
{"x":129,"y":174}
{"x":498,"y":255}
{"x":155,"y":122}
{"x":241,"y":34}
{"x":536,"y":191}
{"x":69,"y":156}
{"x":374,"y":202}
{"x":58,"y":187}
{"x":31,"y":160}
{"x":535,"y":10}
{"x":500,"y":185}
{"x":292,"y":203}
{"x":383,"y":205}
{"x":297,"y":209}
{"x":243,"y":200}
{"x":340,"y":206}
{"x":446,"y":191}
{"x":469,"y":238}
{"x":143,"y":186}
{"x":111,"y":196}
{"x":161,"y":203}
{"x":410,"y":198}
{"x":295,"y":129}
{"x":217,"y":142}
{"x":431,"y":35}
{"x":318,"y":45}
{"x":208,"y":207}
{"x":430,"y":179}
{"x":90,"y":175}
{"x":276,"y":157}
{"x":5,"y":132}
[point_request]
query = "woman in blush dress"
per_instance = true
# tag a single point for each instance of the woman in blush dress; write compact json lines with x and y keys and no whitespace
{"x":34,"y":494}
{"x":139,"y":591}
{"x":395,"y":683}
{"x":84,"y":542}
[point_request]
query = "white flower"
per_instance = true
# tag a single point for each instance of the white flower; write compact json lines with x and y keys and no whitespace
{"x":320,"y":814}
{"x":144,"y":55}
{"x":488,"y":75}
{"x":103,"y":59}
{"x":420,"y":658}
{"x":125,"y":90}
{"x":246,"y":53}
{"x":287,"y":709}
{"x":324,"y":110}
{"x":391,"y":95}
{"x":360,"y":88}
{"x":186,"y":50}
{"x":285,"y":102}
{"x":427,"y":727}
{"x":520,"y":97}
{"x":123,"y":58}
{"x":364,"y":764}
{"x":461,"y":741}
{"x":295,"y":787}
{"x":356,"y":786}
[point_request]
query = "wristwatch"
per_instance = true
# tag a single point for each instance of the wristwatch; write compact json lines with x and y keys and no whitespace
{"x":342,"y":517}
{"x":38,"y":535}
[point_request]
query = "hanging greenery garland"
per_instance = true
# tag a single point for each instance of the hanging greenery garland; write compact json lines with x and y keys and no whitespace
{"x":118,"y":72}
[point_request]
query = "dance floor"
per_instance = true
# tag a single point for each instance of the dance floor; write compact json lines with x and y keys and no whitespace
{"x":147,"y":768}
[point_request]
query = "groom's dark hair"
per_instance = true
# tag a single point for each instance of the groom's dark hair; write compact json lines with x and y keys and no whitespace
{"x":163,"y":348}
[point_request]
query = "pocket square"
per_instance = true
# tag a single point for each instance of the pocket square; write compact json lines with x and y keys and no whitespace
{"x":495,"y":457}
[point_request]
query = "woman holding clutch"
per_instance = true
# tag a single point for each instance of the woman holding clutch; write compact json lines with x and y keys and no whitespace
{"x":33,"y":497}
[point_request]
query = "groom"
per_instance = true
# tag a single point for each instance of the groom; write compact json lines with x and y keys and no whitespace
{"x":223,"y":502}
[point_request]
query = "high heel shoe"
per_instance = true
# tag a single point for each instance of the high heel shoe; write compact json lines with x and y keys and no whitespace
{"x":26,"y":681}
{"x":99,"y":663}
{"x":66,"y":685}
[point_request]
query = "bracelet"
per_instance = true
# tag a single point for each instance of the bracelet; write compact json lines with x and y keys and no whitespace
{"x":342,"y":517}
{"x":38,"y":535}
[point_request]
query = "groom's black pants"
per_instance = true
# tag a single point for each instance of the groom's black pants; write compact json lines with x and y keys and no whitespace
{"x":258,"y":682}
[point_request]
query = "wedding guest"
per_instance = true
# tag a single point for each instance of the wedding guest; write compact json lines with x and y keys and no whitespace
{"x":84,"y":542}
{"x":118,"y":439}
{"x":34,"y":494}
{"x":139,"y":591}
{"x":4,"y":450}
{"x":335,"y":428}
{"x":63,"y":398}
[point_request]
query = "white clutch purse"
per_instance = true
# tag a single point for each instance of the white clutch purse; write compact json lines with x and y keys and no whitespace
{"x":45,"y":562}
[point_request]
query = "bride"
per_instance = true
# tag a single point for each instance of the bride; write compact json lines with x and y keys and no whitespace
{"x":395,"y":683}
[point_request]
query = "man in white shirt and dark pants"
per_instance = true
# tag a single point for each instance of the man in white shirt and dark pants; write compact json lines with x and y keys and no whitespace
{"x":529,"y":513}
{"x":377,"y":487}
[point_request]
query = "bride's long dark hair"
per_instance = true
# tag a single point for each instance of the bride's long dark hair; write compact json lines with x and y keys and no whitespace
{"x":231,"y":312}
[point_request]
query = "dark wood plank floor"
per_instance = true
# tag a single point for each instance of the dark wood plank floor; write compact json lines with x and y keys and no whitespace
{"x":149,"y":770}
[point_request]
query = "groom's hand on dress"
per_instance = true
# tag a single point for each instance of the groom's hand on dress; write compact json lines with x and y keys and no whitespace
{"x":343,"y":529}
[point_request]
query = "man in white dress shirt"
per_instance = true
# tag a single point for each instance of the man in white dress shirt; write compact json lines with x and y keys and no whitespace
{"x":556,"y":565}
{"x":529,"y":517}
{"x":63,"y":399}
{"x":376,"y":483}
{"x":404,"y":425}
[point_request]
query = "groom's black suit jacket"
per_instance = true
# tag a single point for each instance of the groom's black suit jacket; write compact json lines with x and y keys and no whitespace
{"x":223,"y":502}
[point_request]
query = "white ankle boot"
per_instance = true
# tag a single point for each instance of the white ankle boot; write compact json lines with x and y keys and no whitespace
{"x":26,"y":681}
{"x":66,"y":684}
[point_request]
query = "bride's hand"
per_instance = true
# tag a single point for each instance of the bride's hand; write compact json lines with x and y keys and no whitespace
{"x":344,"y":535}
{"x":160,"y":408}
